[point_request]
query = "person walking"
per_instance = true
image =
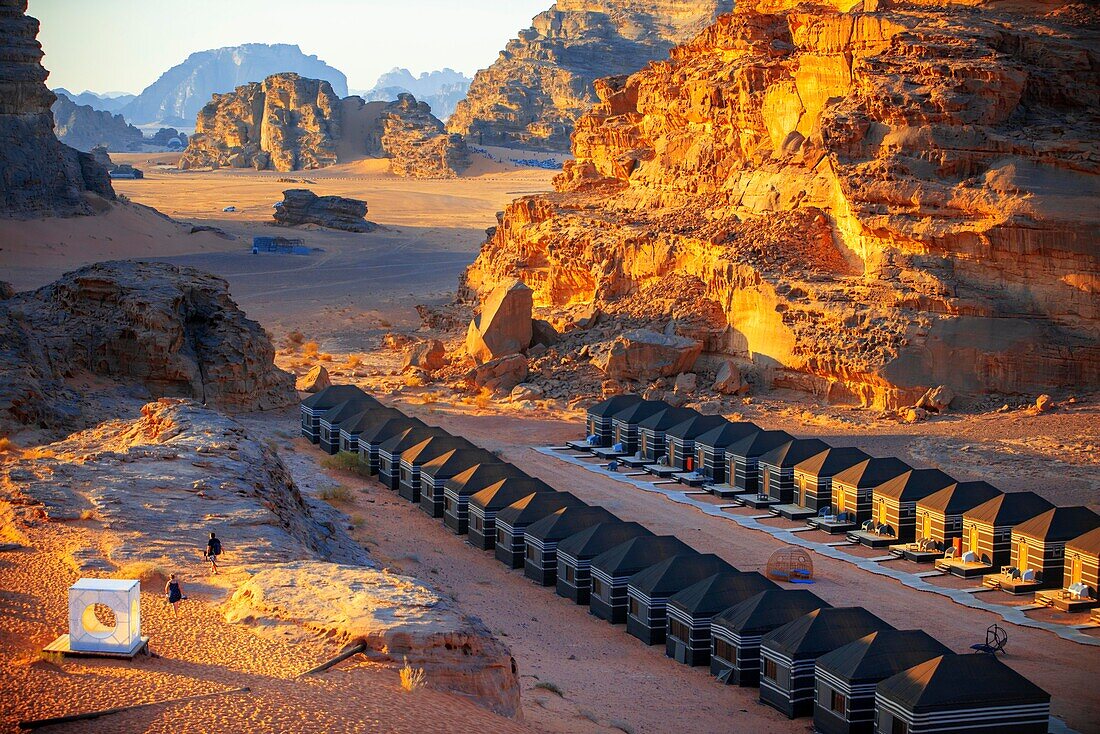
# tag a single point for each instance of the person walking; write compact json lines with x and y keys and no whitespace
{"x":174,"y":591}
{"x":213,"y":550}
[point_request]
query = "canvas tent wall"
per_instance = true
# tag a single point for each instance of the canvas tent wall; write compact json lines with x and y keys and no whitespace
{"x":367,"y":420}
{"x":853,"y":488}
{"x":575,"y":554}
{"x":940,"y":514}
{"x":311,"y":408}
{"x":371,"y":439}
{"x":680,"y":439}
{"x":599,"y":419}
{"x":328,"y":432}
{"x":624,"y":424}
{"x":987,"y":531}
{"x":1082,"y":563}
{"x":776,"y":467}
{"x":1039,"y":544}
{"x":736,"y":632}
{"x":813,"y":477}
{"x":894,"y":502}
{"x":651,"y":432}
{"x":741,"y":461}
{"x":434,"y":475}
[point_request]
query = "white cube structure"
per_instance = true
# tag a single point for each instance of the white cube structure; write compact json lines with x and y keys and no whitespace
{"x":87,"y":633}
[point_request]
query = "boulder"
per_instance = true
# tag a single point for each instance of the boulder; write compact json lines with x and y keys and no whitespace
{"x":685,"y":383}
{"x":6,"y":290}
{"x":728,"y":380}
{"x":544,"y":333}
{"x":525,"y":391}
{"x":504,"y":325}
{"x":315,"y":380}
{"x":913,"y":414}
{"x":937,"y":399}
{"x":498,"y":375}
{"x":302,"y":206}
{"x":710,"y":407}
{"x":1043,"y":403}
{"x":644,"y":355}
{"x":428,"y":355}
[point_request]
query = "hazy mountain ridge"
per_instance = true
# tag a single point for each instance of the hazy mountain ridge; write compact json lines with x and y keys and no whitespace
{"x":442,"y":89}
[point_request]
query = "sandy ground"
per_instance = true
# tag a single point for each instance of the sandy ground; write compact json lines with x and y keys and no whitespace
{"x":555,"y":641}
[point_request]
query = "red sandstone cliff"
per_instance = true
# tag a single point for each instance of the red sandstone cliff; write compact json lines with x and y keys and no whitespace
{"x":878,"y":201}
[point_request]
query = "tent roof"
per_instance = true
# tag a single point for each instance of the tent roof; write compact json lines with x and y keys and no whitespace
{"x":454,"y":461}
{"x":638,"y":553}
{"x":640,"y":411}
{"x":409,"y":438}
{"x":349,"y":408}
{"x":526,"y":510}
{"x":759,"y":443}
{"x":769,"y":610}
{"x":881,"y":654}
{"x":614,"y":404}
{"x":678,"y":572}
{"x":500,"y":494}
{"x":388,"y":429}
{"x":433,"y":446}
{"x":823,"y":630}
{"x":1059,"y":524}
{"x":871,"y":472}
{"x":481,"y":475}
{"x":726,"y":434}
{"x":695,"y":426}
{"x":1010,"y":508}
{"x":794,"y":451}
{"x":568,"y":522}
{"x":832,"y":460}
{"x":960,"y":682}
{"x":720,"y":591}
{"x":955,"y":499}
{"x":334,"y":395}
{"x":667,"y":418}
{"x":366,"y":419}
{"x":1087,"y":543}
{"x":914,"y":485}
{"x":603,"y":536}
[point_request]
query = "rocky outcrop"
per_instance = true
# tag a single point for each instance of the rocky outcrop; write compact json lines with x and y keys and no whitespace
{"x":498,"y":375}
{"x":160,"y":483}
{"x":504,"y":325}
{"x":542,"y":82}
{"x":39,"y":176}
{"x":290,"y":123}
{"x":398,"y":618}
{"x":316,"y":380}
{"x":84,"y":128}
{"x":442,"y":89}
{"x":646,"y":355}
{"x":176,"y":97}
{"x":169,"y":330}
{"x":285,"y":123}
{"x":872,"y":203}
{"x":417,"y":143}
{"x":169,"y":137}
{"x":302,"y":206}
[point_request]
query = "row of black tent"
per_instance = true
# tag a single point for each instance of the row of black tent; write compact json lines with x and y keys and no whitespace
{"x":847,"y":668}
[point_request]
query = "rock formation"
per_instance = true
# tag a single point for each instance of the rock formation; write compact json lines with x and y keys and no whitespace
{"x":285,"y":123}
{"x":302,"y":206}
{"x":177,"y":96}
{"x":442,"y":89}
{"x":290,"y":123}
{"x":504,"y":325}
{"x":161,"y":482}
{"x":169,"y":137}
{"x":316,"y":380}
{"x":542,"y":81}
{"x":417,"y":143}
{"x":171,"y":330}
{"x":866,"y":204}
{"x":83,"y":128}
{"x":110,"y":102}
{"x":646,"y":355}
{"x":397,"y":617}
{"x":39,"y":176}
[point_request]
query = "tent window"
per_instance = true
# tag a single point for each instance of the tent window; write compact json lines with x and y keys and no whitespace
{"x":724,"y":650}
{"x":679,"y":630}
{"x":530,"y":553}
{"x":633,"y":607}
{"x":478,"y":524}
{"x":570,"y":574}
{"x":897,"y":726}
{"x":770,"y":669}
{"x":500,"y":536}
{"x":597,"y":587}
{"x":837,"y":702}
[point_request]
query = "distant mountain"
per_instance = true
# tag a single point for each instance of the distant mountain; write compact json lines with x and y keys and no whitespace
{"x":107,"y":101}
{"x":441,"y":89}
{"x":84,"y":127}
{"x":178,"y":95}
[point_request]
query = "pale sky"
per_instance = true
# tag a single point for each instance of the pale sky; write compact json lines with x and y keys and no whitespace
{"x":124,"y":45}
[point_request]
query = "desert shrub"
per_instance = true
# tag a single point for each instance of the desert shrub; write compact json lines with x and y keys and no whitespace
{"x":354,"y":360}
{"x":309,"y":349}
{"x":7,"y":446}
{"x":338,"y":493}
{"x":296,"y":337}
{"x":151,"y":576}
{"x":87,"y":514}
{"x":346,"y":461}
{"x":412,"y":678}
{"x":552,"y":687}
{"x":484,"y":398}
{"x":324,"y":357}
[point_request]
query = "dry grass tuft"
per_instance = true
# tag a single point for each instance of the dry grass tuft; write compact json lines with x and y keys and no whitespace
{"x":8,"y":446}
{"x":148,"y":573}
{"x":87,"y":514}
{"x":339,"y":493}
{"x":324,"y":357}
{"x":484,"y":398}
{"x":552,"y":687}
{"x":346,"y":461}
{"x":309,"y":349}
{"x":354,"y":360}
{"x":412,"y":678}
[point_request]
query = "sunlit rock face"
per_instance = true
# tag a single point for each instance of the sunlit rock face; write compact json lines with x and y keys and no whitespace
{"x":542,"y":82}
{"x":878,"y":201}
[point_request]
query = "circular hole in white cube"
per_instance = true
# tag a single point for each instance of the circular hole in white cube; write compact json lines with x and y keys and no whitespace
{"x":98,"y":620}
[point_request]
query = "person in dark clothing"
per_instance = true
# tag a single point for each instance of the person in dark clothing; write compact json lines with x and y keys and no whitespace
{"x":174,"y":591}
{"x":213,"y":550}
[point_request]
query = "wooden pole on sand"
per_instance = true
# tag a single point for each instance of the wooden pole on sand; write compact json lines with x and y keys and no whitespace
{"x":354,"y":650}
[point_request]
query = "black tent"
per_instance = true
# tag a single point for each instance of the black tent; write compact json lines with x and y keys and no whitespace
{"x":741,"y":462}
{"x":435,"y":473}
{"x":651,"y":432}
{"x":940,"y":518}
{"x":541,"y":538}
{"x":599,"y":432}
{"x":647,"y":591}
{"x":710,"y":448}
{"x":625,"y":423}
{"x":390,"y":451}
{"x":484,"y":505}
{"x":576,"y":552}
{"x":328,"y":432}
{"x":737,"y":631}
{"x":691,"y":610}
{"x":371,"y":439}
{"x":777,"y":467}
{"x":977,"y":694}
{"x":512,"y":522}
{"x":414,"y":457}
{"x":852,"y":492}
{"x":813,"y":480}
{"x":612,"y":569}
{"x":351,"y":429}
{"x":458,"y":489}
{"x":788,"y":654}
{"x":987,"y":533}
{"x":1039,"y":545}
{"x":846,"y":677}
{"x":894,"y":507}
{"x":312,"y":407}
{"x":680,"y":439}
